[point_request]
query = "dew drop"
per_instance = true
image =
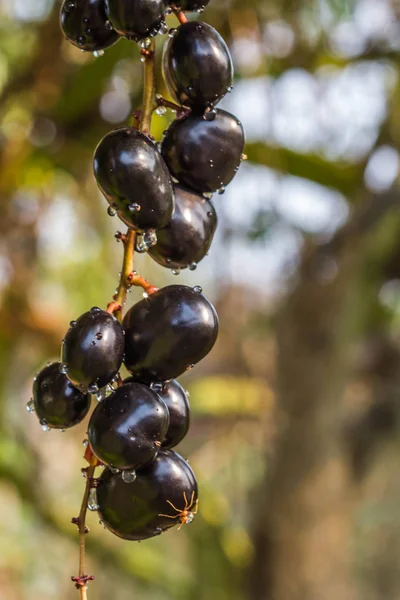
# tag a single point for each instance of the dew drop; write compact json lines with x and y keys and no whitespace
{"x":85,"y":443}
{"x":161,"y":110}
{"x":210,"y":214}
{"x":244,"y":157}
{"x":72,"y":324}
{"x":99,"y":336}
{"x":64,"y":369}
{"x":172,"y":32}
{"x":193,"y":266}
{"x":143,"y":59}
{"x":62,"y":430}
{"x":210,"y":113}
{"x":114,"y":471}
{"x":128,"y":476}
{"x":229,"y":89}
{"x":30,"y":407}
{"x":140,"y":245}
{"x":156,"y":386}
{"x":189,"y":367}
{"x":69,"y":6}
{"x":198,"y":289}
{"x":93,"y":388}
{"x":111,"y":211}
{"x":95,"y":310}
{"x":108,"y":26}
{"x":176,"y":271}
{"x":134,"y":207}
{"x":207,"y":195}
{"x":222,"y":190}
{"x":45,"y":427}
{"x":80,"y":40}
{"x":146,"y":43}
{"x":163,"y":28}
{"x":92,"y":500}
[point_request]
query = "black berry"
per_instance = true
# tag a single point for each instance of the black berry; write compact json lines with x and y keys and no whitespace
{"x":188,"y":237}
{"x":127,"y":429}
{"x":134,"y":178}
{"x":176,"y":400}
{"x":197,"y":65}
{"x":92,"y":350}
{"x":190,"y":5}
{"x":136,"y":19}
{"x":57,"y":403}
{"x":204,"y":154}
{"x":84,"y":24}
{"x":168,"y":333}
{"x":133,"y":511}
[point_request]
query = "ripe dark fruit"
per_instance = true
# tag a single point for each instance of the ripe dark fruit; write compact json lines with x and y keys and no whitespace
{"x":204,"y":154}
{"x":92,"y":350}
{"x":197,"y":65}
{"x":176,"y":400}
{"x":135,"y":511}
{"x":58,"y":404}
{"x":190,"y":5}
{"x":127,"y":428}
{"x":84,"y":24}
{"x":168,"y":333}
{"x":188,"y":237}
{"x":136,"y":19}
{"x":134,"y":178}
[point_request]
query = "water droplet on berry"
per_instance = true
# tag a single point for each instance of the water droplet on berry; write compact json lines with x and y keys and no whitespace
{"x":64,"y":369}
{"x":156,"y":386}
{"x":193,"y":266}
{"x":207,"y":195}
{"x":211,"y":162}
{"x":30,"y":407}
{"x":163,"y":28}
{"x":99,"y":336}
{"x":128,"y":476}
{"x":161,"y":110}
{"x":140,"y":245}
{"x":85,"y":443}
{"x":114,"y":471}
{"x":176,"y":271}
{"x":108,"y":26}
{"x":210,"y":113}
{"x":229,"y":89}
{"x":62,"y":430}
{"x":244,"y":157}
{"x":80,"y":40}
{"x":69,"y":6}
{"x":93,"y":388}
{"x":189,"y":518}
{"x":95,"y":310}
{"x":93,"y":505}
{"x":198,"y":289}
{"x":172,"y":32}
{"x":146,"y":43}
{"x":134,"y":207}
{"x":189,"y":367}
{"x":143,"y":59}
{"x":45,"y":427}
{"x":72,"y":324}
{"x":111,"y":211}
{"x":222,"y":190}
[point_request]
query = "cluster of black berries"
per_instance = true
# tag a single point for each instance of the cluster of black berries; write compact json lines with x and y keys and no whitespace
{"x":146,"y":487}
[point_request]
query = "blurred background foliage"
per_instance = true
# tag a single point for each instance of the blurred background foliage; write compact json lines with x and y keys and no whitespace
{"x":296,"y":413}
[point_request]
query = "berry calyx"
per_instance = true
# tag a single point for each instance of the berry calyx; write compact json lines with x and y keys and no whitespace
{"x":92,"y":350}
{"x":85,"y":24}
{"x":204,"y":152}
{"x":126,"y":429}
{"x":57,"y":403}
{"x":136,"y":19}
{"x":134,"y":179}
{"x":168,"y":333}
{"x":188,"y":236}
{"x":197,"y":65}
{"x":164,"y":494}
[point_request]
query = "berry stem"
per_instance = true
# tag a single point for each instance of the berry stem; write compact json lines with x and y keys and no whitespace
{"x":180,"y":15}
{"x":83,"y":578}
{"x":117,"y":306}
{"x":149,"y":87}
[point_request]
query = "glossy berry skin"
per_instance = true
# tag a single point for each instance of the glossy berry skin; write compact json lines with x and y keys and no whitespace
{"x":168,"y":332}
{"x":132,"y":510}
{"x":190,"y":5}
{"x":176,"y":401}
{"x":134,"y":178}
{"x":93,"y":349}
{"x":188,"y":237}
{"x":84,"y":24}
{"x":197,"y":65}
{"x":136,"y":19}
{"x":127,"y":428}
{"x":58,"y":404}
{"x":202,"y":154}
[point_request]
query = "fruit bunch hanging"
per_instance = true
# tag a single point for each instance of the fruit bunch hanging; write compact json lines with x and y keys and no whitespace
{"x":162,"y":192}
